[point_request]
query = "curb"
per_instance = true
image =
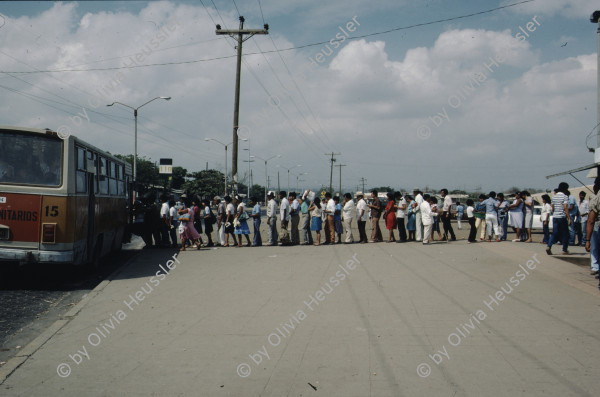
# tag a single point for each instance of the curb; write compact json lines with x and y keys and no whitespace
{"x":15,"y":362}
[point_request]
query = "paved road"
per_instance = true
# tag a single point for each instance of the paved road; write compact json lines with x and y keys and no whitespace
{"x":499,"y":319}
{"x":35,"y":296}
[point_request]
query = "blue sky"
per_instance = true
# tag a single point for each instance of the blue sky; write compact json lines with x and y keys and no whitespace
{"x":375,"y":100}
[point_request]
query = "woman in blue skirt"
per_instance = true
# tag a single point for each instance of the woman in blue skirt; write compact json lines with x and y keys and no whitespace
{"x":316,"y":224}
{"x":242,"y":217}
{"x":411,"y":226}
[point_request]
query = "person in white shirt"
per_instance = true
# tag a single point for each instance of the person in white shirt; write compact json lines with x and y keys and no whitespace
{"x":165,"y":222}
{"x":229,"y":217}
{"x":284,"y":209}
{"x":400,"y":215}
{"x":361,"y":218}
{"x":584,"y":207}
{"x":446,"y":216}
{"x":347,"y":211}
{"x":426,"y":217}
{"x":220,"y":221}
{"x":418,"y":216}
{"x":173,"y":223}
{"x":295,"y":218}
{"x":271,"y":219}
{"x":208,"y":217}
{"x":471,"y":219}
{"x":545,"y":217}
{"x":329,"y":214}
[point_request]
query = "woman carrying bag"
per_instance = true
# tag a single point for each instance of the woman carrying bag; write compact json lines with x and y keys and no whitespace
{"x":186,"y":227}
{"x":241,"y":227}
{"x":229,"y":220}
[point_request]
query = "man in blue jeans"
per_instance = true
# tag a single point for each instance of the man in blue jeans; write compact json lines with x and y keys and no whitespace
{"x":256,"y":215}
{"x":573,"y":212}
{"x":460,"y":210}
{"x":561,"y":219}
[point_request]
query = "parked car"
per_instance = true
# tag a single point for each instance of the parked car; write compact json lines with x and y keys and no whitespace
{"x":537,"y":223}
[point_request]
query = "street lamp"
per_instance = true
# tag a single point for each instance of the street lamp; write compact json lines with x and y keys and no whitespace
{"x":135,"y":113}
{"x":297,"y":178}
{"x":248,"y":140}
{"x":288,"y":174}
{"x":225,"y":145}
{"x":266,"y":180}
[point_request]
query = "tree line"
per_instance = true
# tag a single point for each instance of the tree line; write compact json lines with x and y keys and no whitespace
{"x":201,"y":184}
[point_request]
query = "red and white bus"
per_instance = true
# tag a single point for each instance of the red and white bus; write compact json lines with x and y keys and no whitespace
{"x":61,"y":200}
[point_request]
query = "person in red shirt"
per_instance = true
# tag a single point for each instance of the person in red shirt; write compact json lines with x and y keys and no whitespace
{"x":390,"y":217}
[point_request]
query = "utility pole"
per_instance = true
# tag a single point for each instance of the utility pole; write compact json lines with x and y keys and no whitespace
{"x":278,"y":186}
{"x":340,"y":166}
{"x":236,"y":109}
{"x":363,"y":180}
{"x":331,"y":172}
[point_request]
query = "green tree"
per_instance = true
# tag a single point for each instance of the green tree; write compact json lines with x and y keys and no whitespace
{"x":147,"y":172}
{"x":178,"y":177}
{"x":383,"y":189}
{"x":206,"y":183}
{"x":258,"y":191}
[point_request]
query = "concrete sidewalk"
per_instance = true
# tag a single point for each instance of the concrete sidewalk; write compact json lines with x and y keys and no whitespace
{"x":500,"y":319}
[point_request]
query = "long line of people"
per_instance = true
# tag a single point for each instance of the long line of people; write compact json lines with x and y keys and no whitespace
{"x":416,"y":217}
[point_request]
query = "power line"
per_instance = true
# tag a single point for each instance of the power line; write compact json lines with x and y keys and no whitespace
{"x":340,"y":165}
{"x":294,"y":127}
{"x":331,"y":173}
{"x":249,"y":68}
{"x":114,"y":118}
{"x":297,"y":88}
{"x":218,"y":13}
{"x":284,"y":49}
{"x":261,"y":12}
{"x":153,"y":50}
{"x":285,"y":89}
{"x":240,"y":33}
{"x":236,"y":8}
{"x":43,"y":100}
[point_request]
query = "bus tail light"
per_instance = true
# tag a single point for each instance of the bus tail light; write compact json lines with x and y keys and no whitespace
{"x":49,"y":233}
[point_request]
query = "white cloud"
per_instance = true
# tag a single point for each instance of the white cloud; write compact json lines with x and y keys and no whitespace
{"x":368,"y":99}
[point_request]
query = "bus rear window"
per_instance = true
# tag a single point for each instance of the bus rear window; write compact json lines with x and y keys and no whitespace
{"x":27,"y":159}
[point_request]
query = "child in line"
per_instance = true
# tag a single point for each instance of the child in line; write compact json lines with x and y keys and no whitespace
{"x":436,"y":219}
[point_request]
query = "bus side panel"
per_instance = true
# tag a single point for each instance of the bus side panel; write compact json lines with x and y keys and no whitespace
{"x":62,"y":211}
{"x":80,"y":225}
{"x":111,"y":218}
{"x":21,"y":213}
{"x":55,"y":210}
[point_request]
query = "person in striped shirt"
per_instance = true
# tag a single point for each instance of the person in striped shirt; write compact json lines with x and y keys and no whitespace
{"x":561,"y":219}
